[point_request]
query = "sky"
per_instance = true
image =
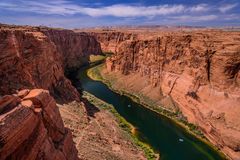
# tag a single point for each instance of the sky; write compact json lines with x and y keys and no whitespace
{"x":89,"y":13}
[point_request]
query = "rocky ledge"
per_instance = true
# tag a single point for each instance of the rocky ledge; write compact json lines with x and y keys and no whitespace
{"x":31,"y":128}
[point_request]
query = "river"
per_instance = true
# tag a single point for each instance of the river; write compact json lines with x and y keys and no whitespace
{"x":169,"y":139}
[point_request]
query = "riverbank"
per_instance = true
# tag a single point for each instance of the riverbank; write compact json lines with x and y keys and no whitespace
{"x":127,"y":127}
{"x":96,"y":132}
{"x":177,"y":117}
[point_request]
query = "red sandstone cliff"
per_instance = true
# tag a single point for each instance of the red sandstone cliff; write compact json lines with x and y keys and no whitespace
{"x":199,"y":70}
{"x":110,"y":40}
{"x":74,"y":48}
{"x":31,"y":128}
{"x":36,"y":58}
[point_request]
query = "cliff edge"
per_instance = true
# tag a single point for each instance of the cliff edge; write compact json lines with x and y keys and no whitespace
{"x":31,"y":128}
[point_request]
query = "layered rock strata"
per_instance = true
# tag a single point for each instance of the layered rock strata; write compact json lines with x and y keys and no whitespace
{"x":31,"y":128}
{"x":37,"y":58}
{"x":73,"y":47}
{"x":198,"y":70}
{"x":110,"y":41}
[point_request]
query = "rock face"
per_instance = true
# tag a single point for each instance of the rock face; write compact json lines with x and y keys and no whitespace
{"x":74,"y":48}
{"x":31,"y":128}
{"x":36,"y":58}
{"x":110,"y":40}
{"x":199,"y":70}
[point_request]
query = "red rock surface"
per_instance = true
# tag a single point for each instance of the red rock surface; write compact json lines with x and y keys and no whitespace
{"x":111,"y":40}
{"x":199,"y":70}
{"x":31,"y":128}
{"x":36,"y":58}
{"x":74,"y":48}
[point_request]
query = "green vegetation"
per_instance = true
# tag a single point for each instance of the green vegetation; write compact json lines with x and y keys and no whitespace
{"x":96,"y":58}
{"x":193,"y":95}
{"x":177,"y":117}
{"x":108,"y":53}
{"x":95,"y":73}
{"x":122,"y":123}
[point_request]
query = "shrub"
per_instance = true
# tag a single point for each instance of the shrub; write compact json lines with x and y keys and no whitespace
{"x":193,"y":95}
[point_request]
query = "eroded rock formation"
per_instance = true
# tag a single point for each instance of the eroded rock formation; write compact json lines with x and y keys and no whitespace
{"x":33,"y":57}
{"x":37,"y":58}
{"x":110,"y":40}
{"x":74,"y":48}
{"x":199,"y":70}
{"x":31,"y":128}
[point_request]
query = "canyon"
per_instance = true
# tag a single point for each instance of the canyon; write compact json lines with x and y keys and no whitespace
{"x":194,"y":71}
{"x":42,"y":115}
{"x":35,"y":57}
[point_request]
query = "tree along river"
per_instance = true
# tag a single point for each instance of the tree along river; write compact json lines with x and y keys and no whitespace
{"x":161,"y":133}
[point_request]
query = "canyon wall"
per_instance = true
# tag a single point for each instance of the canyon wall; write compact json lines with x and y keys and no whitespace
{"x":37,"y":58}
{"x":111,"y":40}
{"x":73,"y":47}
{"x":198,"y":70}
{"x":31,"y":128}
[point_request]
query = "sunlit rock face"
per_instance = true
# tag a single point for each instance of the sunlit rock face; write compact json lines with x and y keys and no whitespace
{"x":198,"y":69}
{"x":31,"y":128}
{"x":32,"y":57}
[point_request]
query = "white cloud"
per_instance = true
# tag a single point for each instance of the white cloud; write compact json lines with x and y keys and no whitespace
{"x":231,"y":17}
{"x":68,"y":14}
{"x":133,"y":11}
{"x":227,"y":7}
{"x":199,"y":8}
{"x":62,"y":7}
{"x":189,"y":18}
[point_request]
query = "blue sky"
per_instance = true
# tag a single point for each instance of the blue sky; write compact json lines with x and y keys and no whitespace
{"x":89,"y":13}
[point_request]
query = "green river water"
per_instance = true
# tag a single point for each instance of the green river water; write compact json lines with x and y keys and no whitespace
{"x":161,"y":133}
